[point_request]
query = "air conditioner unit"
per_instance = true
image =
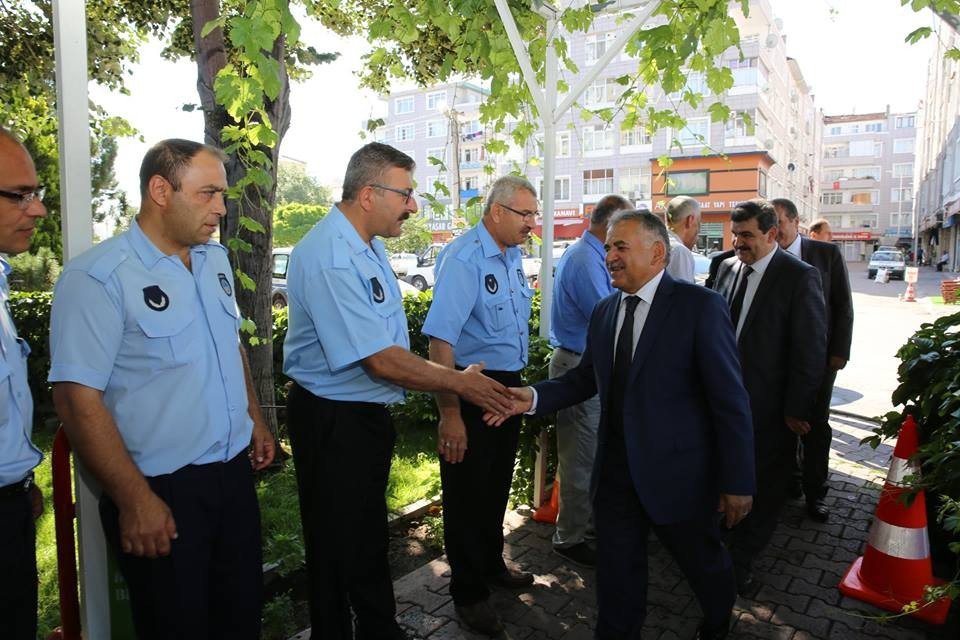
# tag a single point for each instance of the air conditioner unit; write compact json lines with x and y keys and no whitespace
{"x":768,"y":144}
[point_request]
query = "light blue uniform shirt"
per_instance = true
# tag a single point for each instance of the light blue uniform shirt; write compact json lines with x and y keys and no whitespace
{"x":345,"y":305}
{"x":481,"y":302}
{"x":162,"y":344}
{"x":17,"y":453}
{"x":581,"y":281}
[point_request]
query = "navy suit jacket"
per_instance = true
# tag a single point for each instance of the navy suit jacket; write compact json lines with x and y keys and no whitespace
{"x":835,"y":280}
{"x":686,"y":414}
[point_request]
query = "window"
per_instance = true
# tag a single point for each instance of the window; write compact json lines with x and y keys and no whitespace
{"x":901,"y":195}
{"x":696,"y":83}
{"x":597,"y":138}
{"x":635,"y":137}
{"x":697,"y":132}
{"x":865,"y":173}
{"x":635,"y":183}
{"x":602,"y":91}
{"x":864,"y":197}
{"x":868,"y":221}
{"x":436,"y":128}
{"x":598,"y":182}
{"x":835,"y":131}
{"x":561,"y":188}
{"x":472,"y":154}
{"x":745,"y":72}
{"x":836,"y":151}
{"x":403,"y":132}
{"x":280,"y":261}
{"x":688,"y":183}
{"x":831,"y":197}
{"x":741,"y":125}
{"x":873,"y":127}
{"x":563,"y":144}
{"x":903,"y":145}
{"x":904,"y":122}
{"x":467,"y":128}
{"x":903,"y":170}
{"x":596,"y":45}
{"x":440,"y":153}
{"x":866,"y":148}
{"x":437,"y":100}
{"x":431,"y":185}
{"x":403,"y":105}
{"x":762,"y":184}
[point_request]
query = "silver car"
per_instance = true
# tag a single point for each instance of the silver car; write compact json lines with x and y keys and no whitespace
{"x":887,"y":258}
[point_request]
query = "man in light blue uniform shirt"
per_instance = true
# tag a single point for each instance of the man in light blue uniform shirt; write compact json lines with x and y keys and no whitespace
{"x":152,"y":385}
{"x":480,"y":312}
{"x":20,"y":499}
{"x":582,"y":280}
{"x":347,"y":352}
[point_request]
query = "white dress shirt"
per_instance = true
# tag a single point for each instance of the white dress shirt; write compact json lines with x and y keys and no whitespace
{"x":759,"y":267}
{"x":794,"y":247}
{"x":681,"y":265}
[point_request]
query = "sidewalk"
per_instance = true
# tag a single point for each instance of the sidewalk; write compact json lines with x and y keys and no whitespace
{"x":798,"y":573}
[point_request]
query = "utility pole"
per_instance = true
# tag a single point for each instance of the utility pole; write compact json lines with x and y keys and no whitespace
{"x":454,"y":161}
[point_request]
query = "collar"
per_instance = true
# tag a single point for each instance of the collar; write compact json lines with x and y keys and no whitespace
{"x":4,"y":265}
{"x":761,"y":265}
{"x":148,"y":252}
{"x":794,"y":247}
{"x":490,"y":247}
{"x":647,"y":291}
{"x":347,"y":231}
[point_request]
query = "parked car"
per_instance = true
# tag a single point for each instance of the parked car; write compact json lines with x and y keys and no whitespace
{"x":419,"y":272}
{"x":887,"y":258}
{"x":281,"y":258}
{"x":402,"y":262}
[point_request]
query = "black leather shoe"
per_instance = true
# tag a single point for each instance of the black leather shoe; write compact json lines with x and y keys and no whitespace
{"x":480,"y":617}
{"x":795,"y":489}
{"x":747,"y":586}
{"x":512,"y":579}
{"x":580,"y":554}
{"x":712,"y":633}
{"x":817,"y":510}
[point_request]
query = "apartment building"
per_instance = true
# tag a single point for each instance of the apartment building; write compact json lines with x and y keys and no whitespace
{"x":867,"y":180}
{"x":938,"y":155}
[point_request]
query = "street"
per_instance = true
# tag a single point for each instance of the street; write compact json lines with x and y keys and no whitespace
{"x":882,"y":323}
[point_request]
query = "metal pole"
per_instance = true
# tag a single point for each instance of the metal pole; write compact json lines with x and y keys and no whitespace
{"x":549,"y":179}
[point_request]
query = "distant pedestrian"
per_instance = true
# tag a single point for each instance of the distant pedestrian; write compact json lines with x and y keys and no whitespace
{"x":683,"y":225}
{"x":944,"y":259}
{"x":820,"y":230}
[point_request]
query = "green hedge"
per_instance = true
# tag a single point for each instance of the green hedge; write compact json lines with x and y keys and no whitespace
{"x":31,"y":313}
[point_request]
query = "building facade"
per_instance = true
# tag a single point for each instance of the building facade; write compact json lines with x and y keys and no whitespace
{"x":938,"y":156}
{"x":867,"y":181}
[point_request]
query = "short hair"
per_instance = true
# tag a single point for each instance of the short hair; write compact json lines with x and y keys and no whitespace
{"x":169,"y":158}
{"x":817,"y":225}
{"x":788,"y":207}
{"x":648,"y":222}
{"x":682,"y":207}
{"x":607,"y":206}
{"x":368,"y":164}
{"x":759,"y":209}
{"x":504,"y":188}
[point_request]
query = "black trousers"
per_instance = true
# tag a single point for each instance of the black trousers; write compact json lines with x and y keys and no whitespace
{"x":211,"y":584}
{"x":342,"y":452}
{"x":475,"y":494}
{"x":813,"y":459}
{"x":748,"y":539}
{"x":18,"y":569}
{"x":623,"y":527}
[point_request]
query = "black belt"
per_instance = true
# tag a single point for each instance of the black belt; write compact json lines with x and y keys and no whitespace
{"x":17,"y":488}
{"x":570,"y":351}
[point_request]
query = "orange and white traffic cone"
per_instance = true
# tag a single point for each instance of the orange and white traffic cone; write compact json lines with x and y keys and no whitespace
{"x":911,"y":293}
{"x":548,"y":511}
{"x":895,"y":567}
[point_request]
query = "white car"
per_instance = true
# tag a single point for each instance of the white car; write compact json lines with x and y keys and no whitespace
{"x":887,"y":258}
{"x":401,"y":263}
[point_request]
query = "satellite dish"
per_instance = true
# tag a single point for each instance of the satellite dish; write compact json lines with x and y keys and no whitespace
{"x":771,"y":41}
{"x":791,"y":166}
{"x":768,"y":144}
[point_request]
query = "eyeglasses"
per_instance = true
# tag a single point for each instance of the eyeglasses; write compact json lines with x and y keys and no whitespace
{"x":406,"y":193}
{"x":24,"y":199}
{"x":523,"y":214}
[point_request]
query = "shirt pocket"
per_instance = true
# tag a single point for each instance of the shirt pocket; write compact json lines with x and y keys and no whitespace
{"x":168,"y":339}
{"x":233,"y":313}
{"x":499,"y":313}
{"x":6,"y":393}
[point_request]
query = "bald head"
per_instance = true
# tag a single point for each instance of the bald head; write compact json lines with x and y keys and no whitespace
{"x":683,"y":218}
{"x":20,"y":204}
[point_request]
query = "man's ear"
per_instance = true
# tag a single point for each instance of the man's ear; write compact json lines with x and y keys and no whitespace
{"x":159,"y":190}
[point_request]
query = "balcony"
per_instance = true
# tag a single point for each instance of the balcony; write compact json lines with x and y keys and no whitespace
{"x":466,"y":194}
{"x":470,"y":165}
{"x":847,"y":207}
{"x":851,"y":183}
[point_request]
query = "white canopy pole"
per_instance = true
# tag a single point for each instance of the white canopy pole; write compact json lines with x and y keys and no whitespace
{"x":73,"y":112}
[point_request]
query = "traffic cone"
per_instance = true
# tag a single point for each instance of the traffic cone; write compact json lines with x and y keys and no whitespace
{"x":911,"y":293}
{"x":548,"y":512}
{"x":895,"y":567}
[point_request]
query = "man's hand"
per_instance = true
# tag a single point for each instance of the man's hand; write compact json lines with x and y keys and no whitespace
{"x":36,"y":501}
{"x":836,"y":363}
{"x":734,"y":508}
{"x":798,"y":426}
{"x":452,"y":437}
{"x":486,"y":393}
{"x":146,"y":527}
{"x":521,"y":401}
{"x":262,"y":447}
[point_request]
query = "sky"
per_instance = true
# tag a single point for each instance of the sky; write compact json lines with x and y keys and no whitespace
{"x":852,"y":53}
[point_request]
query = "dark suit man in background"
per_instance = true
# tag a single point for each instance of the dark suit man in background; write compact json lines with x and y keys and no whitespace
{"x":776,"y":305}
{"x":675,"y":449}
{"x":811,"y":478}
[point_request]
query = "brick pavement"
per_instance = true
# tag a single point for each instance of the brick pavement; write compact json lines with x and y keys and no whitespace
{"x":798,"y":573}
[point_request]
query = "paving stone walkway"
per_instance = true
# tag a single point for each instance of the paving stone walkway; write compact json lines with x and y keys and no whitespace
{"x":798,"y":573}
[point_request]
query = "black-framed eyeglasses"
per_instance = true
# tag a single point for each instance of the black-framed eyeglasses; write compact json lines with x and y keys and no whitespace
{"x":406,"y":193}
{"x":523,"y":214}
{"x":24,"y":198}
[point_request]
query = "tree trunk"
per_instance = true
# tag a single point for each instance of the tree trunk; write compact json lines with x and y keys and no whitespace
{"x":256,"y":203}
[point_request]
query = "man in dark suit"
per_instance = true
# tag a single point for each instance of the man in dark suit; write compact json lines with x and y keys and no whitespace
{"x":776,"y":305}
{"x":811,"y":477}
{"x":675,"y":443}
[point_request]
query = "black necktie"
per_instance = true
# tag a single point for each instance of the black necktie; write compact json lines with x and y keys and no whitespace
{"x":736,"y":305}
{"x":623,"y":356}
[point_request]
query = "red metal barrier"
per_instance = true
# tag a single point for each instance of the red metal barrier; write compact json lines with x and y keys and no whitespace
{"x":65,"y":512}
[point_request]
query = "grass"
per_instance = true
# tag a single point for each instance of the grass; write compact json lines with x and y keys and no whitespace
{"x":414,"y":475}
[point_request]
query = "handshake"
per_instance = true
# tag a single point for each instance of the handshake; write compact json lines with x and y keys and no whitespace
{"x":498,"y":402}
